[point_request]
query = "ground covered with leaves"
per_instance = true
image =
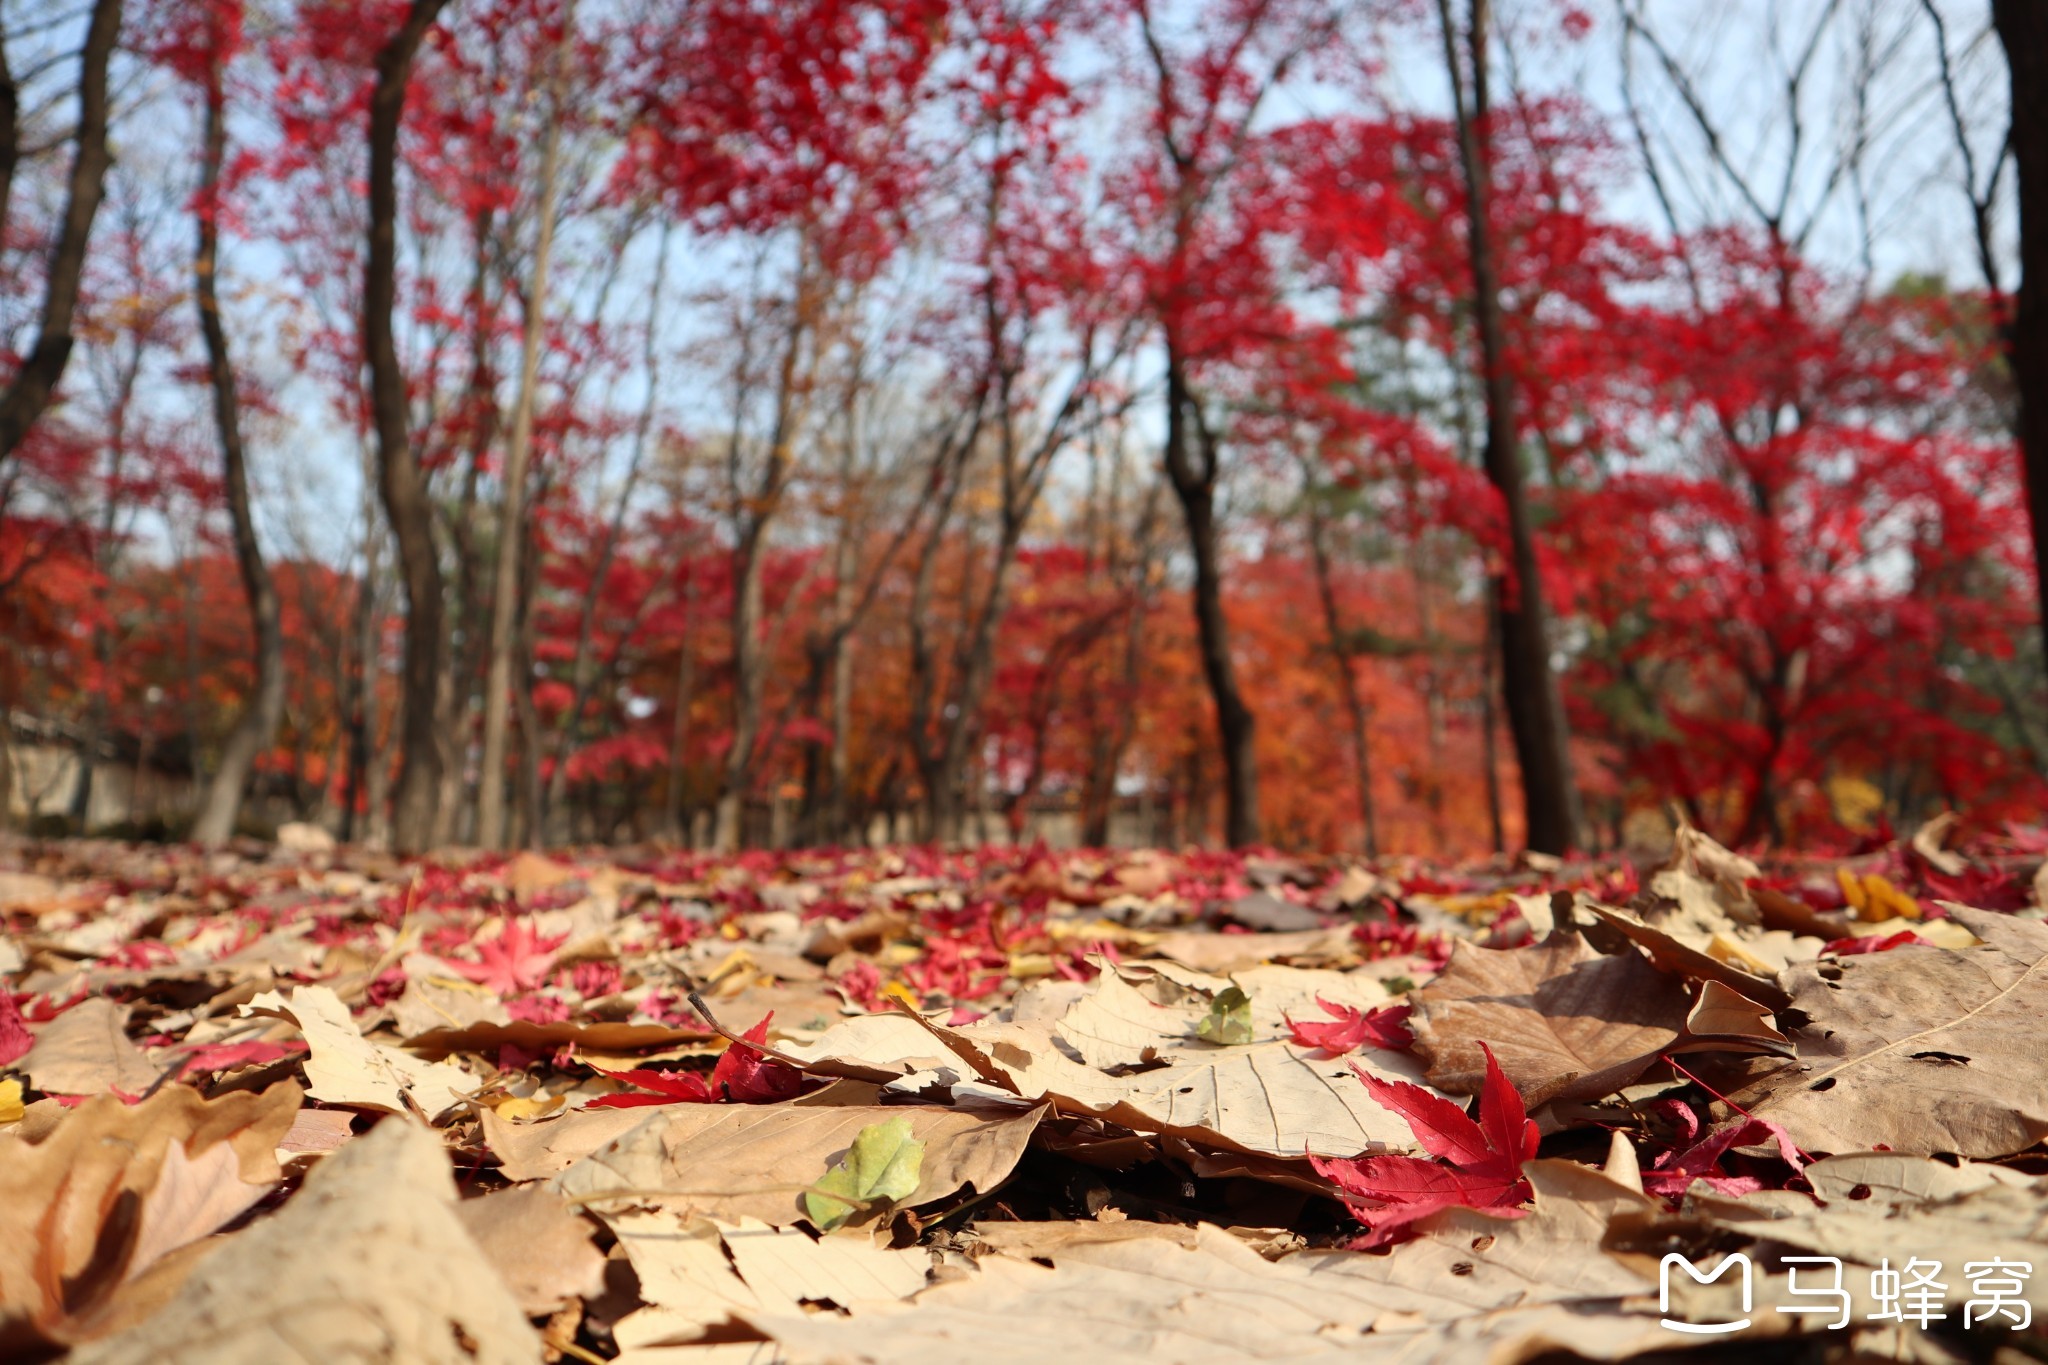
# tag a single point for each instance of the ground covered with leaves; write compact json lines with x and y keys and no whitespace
{"x":308,"y":1104}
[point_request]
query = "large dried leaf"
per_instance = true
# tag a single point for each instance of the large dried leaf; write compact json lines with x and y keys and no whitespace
{"x":1120,"y":1053}
{"x":85,"y":1051}
{"x":343,"y":1067}
{"x":368,"y":1263}
{"x":1920,"y":1050}
{"x":696,"y":1274}
{"x":1470,"y":1285}
{"x":539,"y":1247}
{"x":88,"y":1206}
{"x":1566,"y":1023}
{"x":756,"y":1161}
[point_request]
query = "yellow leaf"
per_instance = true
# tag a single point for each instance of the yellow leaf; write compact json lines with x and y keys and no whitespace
{"x":1852,"y":892}
{"x":11,"y":1107}
{"x":519,"y":1109}
{"x":896,"y":990}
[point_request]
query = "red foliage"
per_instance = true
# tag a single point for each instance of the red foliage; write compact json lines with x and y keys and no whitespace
{"x":1388,"y":1193}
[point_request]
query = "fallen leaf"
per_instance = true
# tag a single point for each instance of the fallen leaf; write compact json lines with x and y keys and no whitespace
{"x":11,"y":1108}
{"x":75,"y":1204}
{"x":85,"y":1051}
{"x":540,"y":1248}
{"x":596,"y":1035}
{"x":343,"y":1067}
{"x":1567,"y":1023}
{"x":880,"y":1167}
{"x":367,"y":1263}
{"x":15,"y":1039}
{"x":1674,"y":1173}
{"x":192,"y":1198}
{"x":1385,"y":1027}
{"x":1229,"y":1020}
{"x":1922,"y":1051}
{"x":516,"y":960}
{"x":756,"y":1161}
{"x":1387,"y":1193}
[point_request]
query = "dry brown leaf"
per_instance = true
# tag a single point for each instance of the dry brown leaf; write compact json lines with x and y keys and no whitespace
{"x":367,"y":1263}
{"x":1122,"y":1056}
{"x":80,"y":1203}
{"x":594,"y":1035}
{"x":539,"y":1246}
{"x":535,"y":1151}
{"x":1693,"y":960}
{"x":1725,"y":1020}
{"x":734,"y":1161}
{"x":1565,"y":1022}
{"x":1471,"y":1288}
{"x":529,"y":874}
{"x":192,"y":1198}
{"x":1893,"y":1178}
{"x":1225,"y":953}
{"x":1921,"y":1050}
{"x":343,"y":1067}
{"x":85,"y":1051}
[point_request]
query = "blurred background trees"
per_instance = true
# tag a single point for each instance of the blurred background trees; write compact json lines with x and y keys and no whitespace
{"x":1329,"y":423}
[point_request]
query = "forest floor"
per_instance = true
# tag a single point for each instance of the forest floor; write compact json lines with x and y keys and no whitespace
{"x":307,"y":1104}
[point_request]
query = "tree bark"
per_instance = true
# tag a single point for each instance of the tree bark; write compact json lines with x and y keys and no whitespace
{"x":2023,"y":28}
{"x":679,"y":742}
{"x":257,"y":725}
{"x":35,"y":383}
{"x":401,"y":481}
{"x":1341,"y":657}
{"x":512,"y":514}
{"x":1191,"y":466}
{"x":1535,"y":716}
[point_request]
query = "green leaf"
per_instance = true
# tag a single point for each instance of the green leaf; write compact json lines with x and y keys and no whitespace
{"x":1398,"y":985}
{"x":882,"y":1164}
{"x":1230,"y":1019}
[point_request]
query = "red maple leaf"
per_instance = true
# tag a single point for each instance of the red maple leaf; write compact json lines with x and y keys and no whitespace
{"x":228,"y":1056}
{"x":517,"y":960}
{"x":664,"y":1087}
{"x":743,"y":1076}
{"x":1387,"y":1193}
{"x":15,"y":1039}
{"x":1872,"y":943}
{"x":1675,"y":1171}
{"x":1385,"y":1027}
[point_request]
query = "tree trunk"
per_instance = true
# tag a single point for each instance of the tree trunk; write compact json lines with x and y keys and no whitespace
{"x":1341,"y":658}
{"x":35,"y":383}
{"x":258,"y":723}
{"x":2023,"y":28}
{"x":512,"y":515}
{"x":1191,"y":465}
{"x":401,"y":481}
{"x":679,"y":742}
{"x":1535,"y":716}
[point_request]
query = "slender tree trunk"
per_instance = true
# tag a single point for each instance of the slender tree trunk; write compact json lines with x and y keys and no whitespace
{"x":750,"y":547}
{"x":1489,"y":727}
{"x":258,"y":724}
{"x":2023,"y":28}
{"x":512,"y":514}
{"x":1535,"y":716}
{"x":679,"y":742}
{"x":1341,"y":658}
{"x":401,"y":481}
{"x":35,"y":382}
{"x":1191,"y":465}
